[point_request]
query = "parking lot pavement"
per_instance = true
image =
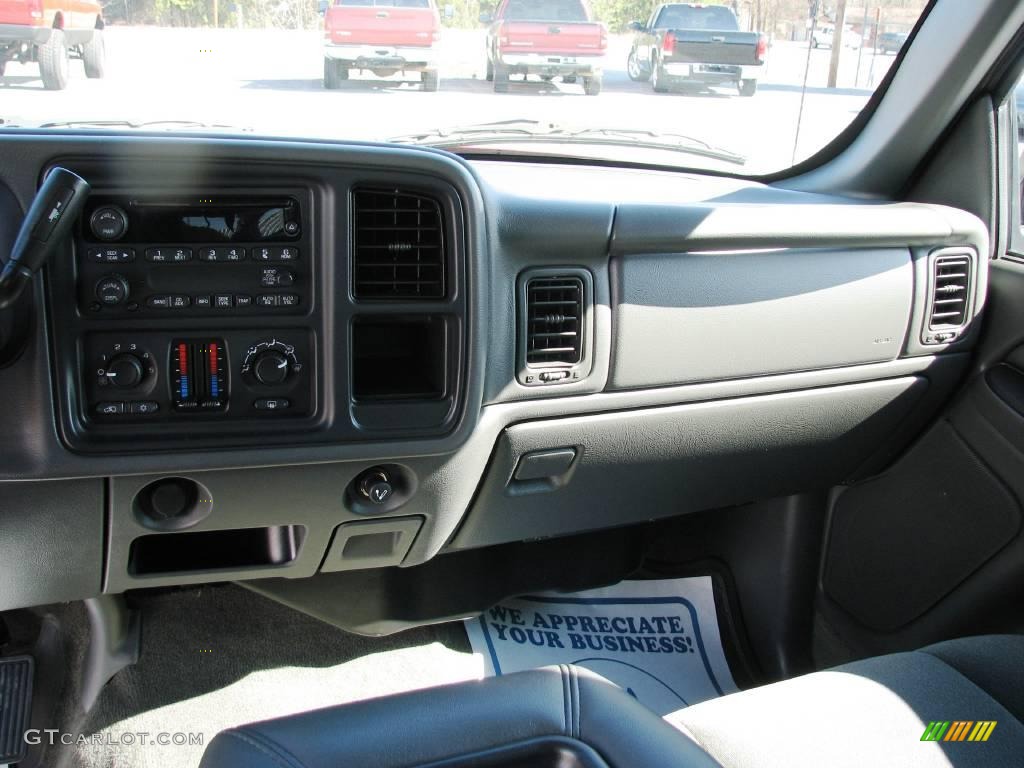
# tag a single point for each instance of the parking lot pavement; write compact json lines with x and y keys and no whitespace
{"x":269,"y":81}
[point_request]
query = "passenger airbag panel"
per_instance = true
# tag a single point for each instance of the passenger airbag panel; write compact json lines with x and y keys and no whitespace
{"x":682,"y":318}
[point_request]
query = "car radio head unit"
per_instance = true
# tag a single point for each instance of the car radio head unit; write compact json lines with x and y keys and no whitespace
{"x":194,"y":219}
{"x":193,"y":255}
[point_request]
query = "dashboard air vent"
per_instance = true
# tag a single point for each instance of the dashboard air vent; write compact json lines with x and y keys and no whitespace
{"x":951,"y":284}
{"x":554,"y":314}
{"x":397,"y":246}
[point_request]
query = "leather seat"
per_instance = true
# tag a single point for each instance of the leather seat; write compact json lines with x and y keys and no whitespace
{"x":872,"y":712}
{"x":556,"y":711}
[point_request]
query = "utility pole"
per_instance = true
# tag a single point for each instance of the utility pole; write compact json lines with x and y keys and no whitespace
{"x":874,"y":54}
{"x":860,"y":48}
{"x":837,"y":43}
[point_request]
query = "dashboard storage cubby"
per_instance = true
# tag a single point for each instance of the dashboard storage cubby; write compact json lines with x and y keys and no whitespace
{"x":401,"y":358}
{"x":235,"y":549}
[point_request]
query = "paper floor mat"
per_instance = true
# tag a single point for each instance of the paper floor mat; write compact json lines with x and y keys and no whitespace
{"x":658,"y":640}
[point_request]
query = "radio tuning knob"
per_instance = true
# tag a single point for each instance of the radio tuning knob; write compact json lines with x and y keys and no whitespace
{"x":112,"y":290}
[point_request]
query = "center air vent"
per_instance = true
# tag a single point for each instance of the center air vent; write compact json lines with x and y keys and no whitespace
{"x":951,"y":284}
{"x":398,"y":246}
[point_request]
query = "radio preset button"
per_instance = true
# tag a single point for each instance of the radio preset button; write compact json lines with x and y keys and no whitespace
{"x":168,"y":255}
{"x":232,"y":253}
{"x":283,"y":253}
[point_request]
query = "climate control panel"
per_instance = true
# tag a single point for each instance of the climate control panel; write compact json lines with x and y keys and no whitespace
{"x":162,"y":377}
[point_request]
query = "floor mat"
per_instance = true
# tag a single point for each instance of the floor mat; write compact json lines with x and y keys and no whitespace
{"x":222,"y":656}
{"x":657,"y":639}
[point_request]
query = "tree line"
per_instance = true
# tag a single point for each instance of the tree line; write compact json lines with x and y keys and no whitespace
{"x":763,"y":15}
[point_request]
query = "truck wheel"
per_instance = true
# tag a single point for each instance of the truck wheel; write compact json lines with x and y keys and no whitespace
{"x":637,"y":72}
{"x":53,"y":61}
{"x":592,"y":85}
{"x":431,"y":80}
{"x":748,"y":87}
{"x":500,"y":79}
{"x":659,"y":81}
{"x":334,"y":73}
{"x":94,"y":55}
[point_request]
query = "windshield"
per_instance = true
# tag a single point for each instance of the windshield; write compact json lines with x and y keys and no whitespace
{"x":692,"y":17}
{"x":746,"y":88}
{"x":545,"y":10}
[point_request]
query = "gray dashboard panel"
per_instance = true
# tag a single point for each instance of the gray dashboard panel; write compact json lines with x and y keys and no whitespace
{"x":704,"y":316}
{"x":51,"y":542}
{"x":641,"y":465}
{"x":518,"y":217}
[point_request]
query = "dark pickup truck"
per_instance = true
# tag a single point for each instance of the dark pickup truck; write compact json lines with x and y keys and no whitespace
{"x":700,"y":44}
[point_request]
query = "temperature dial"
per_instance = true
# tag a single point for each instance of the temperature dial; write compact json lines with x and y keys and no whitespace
{"x":270,"y":363}
{"x":270,"y":368}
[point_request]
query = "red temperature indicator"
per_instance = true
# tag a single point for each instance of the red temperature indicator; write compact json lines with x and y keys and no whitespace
{"x":200,"y":367}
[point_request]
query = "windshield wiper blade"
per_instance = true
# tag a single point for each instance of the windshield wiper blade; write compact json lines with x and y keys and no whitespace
{"x":163,"y":125}
{"x":468,"y":137}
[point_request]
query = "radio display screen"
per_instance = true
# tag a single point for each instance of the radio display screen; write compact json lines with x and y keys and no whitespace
{"x":211,"y":220}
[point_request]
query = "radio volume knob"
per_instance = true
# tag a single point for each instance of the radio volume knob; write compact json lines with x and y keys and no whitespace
{"x":271,"y":368}
{"x":108,"y":223}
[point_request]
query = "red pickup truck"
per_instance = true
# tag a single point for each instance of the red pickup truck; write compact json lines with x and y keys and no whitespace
{"x":550,"y":38}
{"x":383,"y":37}
{"x":50,"y":32}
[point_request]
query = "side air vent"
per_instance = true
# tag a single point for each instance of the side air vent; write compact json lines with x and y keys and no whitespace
{"x":398,"y":246}
{"x":951,"y":288}
{"x":554,"y":308}
{"x":554,"y":326}
{"x":951,"y":285}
